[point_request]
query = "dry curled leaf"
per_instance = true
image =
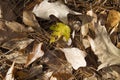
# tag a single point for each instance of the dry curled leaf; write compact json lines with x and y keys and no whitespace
{"x":15,"y":26}
{"x":58,"y":9}
{"x":75,"y":57}
{"x":19,"y":57}
{"x":0,"y":12}
{"x":17,"y":43}
{"x":10,"y":74}
{"x":113,"y":20}
{"x":107,"y":53}
{"x":29,"y":19}
{"x":35,"y":54}
{"x":10,"y":30}
{"x":34,"y":71}
{"x":88,"y":23}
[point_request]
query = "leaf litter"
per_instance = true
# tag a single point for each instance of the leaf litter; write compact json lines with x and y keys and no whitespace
{"x":59,"y":40}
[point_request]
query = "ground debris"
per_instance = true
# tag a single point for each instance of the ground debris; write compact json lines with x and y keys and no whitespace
{"x":87,"y":50}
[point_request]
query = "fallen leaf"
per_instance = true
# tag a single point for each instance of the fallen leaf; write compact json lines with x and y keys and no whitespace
{"x":107,"y":53}
{"x":88,"y":24}
{"x":35,"y":54}
{"x":46,"y":75}
{"x":86,"y":43}
{"x":0,"y":12}
{"x":34,"y":71}
{"x":113,"y":20}
{"x":84,"y":30}
{"x":29,"y":19}
{"x":21,"y":74}
{"x":8,"y":13}
{"x":62,"y":76}
{"x":94,"y":20}
{"x":11,"y":31}
{"x":15,"y":26}
{"x":10,"y":75}
{"x":58,"y":9}
{"x":59,"y":30}
{"x":118,"y":45}
{"x":75,"y":57}
{"x":17,"y":43}
{"x":31,"y":4}
{"x":53,"y":78}
{"x":19,"y":57}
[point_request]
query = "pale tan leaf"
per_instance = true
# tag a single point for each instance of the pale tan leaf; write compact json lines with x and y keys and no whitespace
{"x":15,"y":26}
{"x":35,"y":54}
{"x":29,"y":19}
{"x":53,"y":78}
{"x":107,"y":53}
{"x":86,"y":43}
{"x":86,"y":25}
{"x":17,"y":43}
{"x":19,"y":57}
{"x":84,"y":30}
{"x":0,"y":12}
{"x":75,"y":57}
{"x":94,"y":20}
{"x":58,"y":9}
{"x":34,"y":71}
{"x":10,"y":75}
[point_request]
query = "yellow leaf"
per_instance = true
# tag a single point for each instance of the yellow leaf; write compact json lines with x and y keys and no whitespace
{"x":59,"y":30}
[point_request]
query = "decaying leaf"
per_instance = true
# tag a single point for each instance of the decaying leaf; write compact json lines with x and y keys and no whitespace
{"x":59,"y":30}
{"x":75,"y":57}
{"x":62,"y":76}
{"x":10,"y":75}
{"x":84,"y":29}
{"x":53,"y":78}
{"x":17,"y":43}
{"x":94,"y":20}
{"x":19,"y":57}
{"x":113,"y":20}
{"x":86,"y":24}
{"x":36,"y":70}
{"x":47,"y":74}
{"x":102,"y":46}
{"x":35,"y":54}
{"x":9,"y":30}
{"x":0,"y":12}
{"x":58,"y":9}
{"x":15,"y":26}
{"x":86,"y":43}
{"x":29,"y":19}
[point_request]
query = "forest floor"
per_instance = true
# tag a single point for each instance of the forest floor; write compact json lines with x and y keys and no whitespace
{"x":59,"y":40}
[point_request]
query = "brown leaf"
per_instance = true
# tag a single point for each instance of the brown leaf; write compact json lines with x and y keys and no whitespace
{"x":88,"y":23}
{"x":0,"y":12}
{"x":7,"y":10}
{"x":19,"y":57}
{"x":15,"y":26}
{"x":21,"y":74}
{"x":8,"y":33}
{"x":118,"y":45}
{"x":10,"y":75}
{"x":34,"y":71}
{"x":29,"y":19}
{"x":113,"y":20}
{"x":35,"y":54}
{"x":17,"y":43}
